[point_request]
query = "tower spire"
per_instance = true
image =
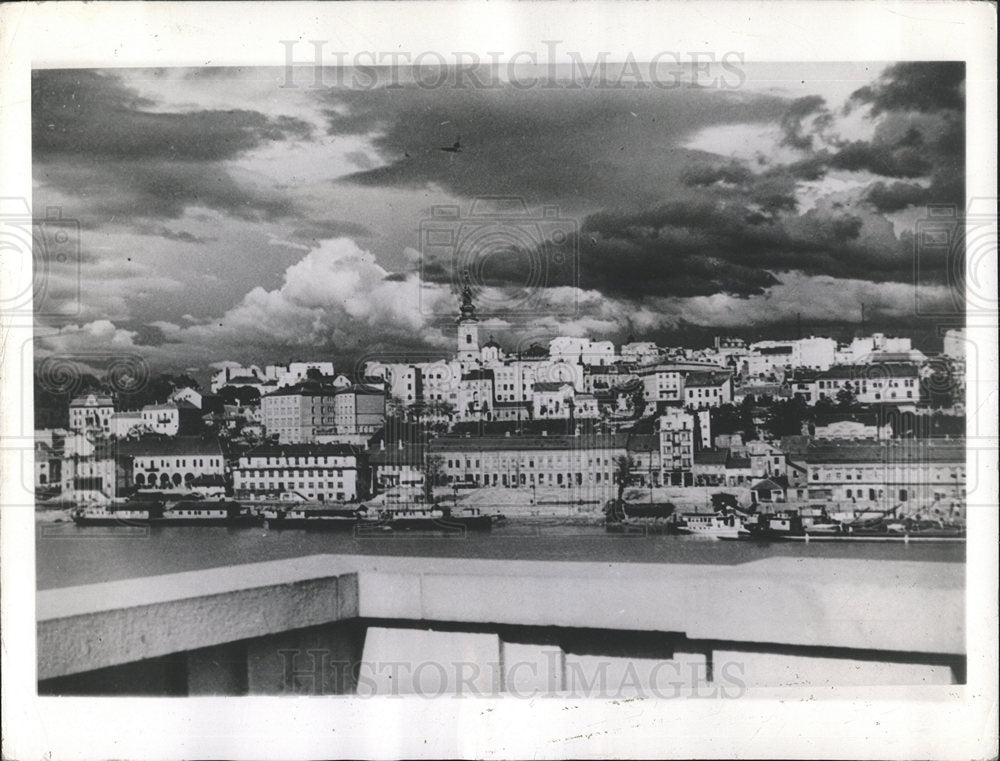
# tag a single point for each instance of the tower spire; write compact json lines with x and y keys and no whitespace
{"x":467,"y":309}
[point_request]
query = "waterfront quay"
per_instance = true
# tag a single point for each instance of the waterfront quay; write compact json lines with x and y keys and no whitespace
{"x":375,"y":625}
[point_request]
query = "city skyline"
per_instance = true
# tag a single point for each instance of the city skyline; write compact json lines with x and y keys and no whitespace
{"x":226,"y":218}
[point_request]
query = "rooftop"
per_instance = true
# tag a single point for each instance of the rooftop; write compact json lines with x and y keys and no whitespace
{"x":150,"y":446}
{"x":700,"y":380}
{"x":304,"y":450}
{"x":550,"y":385}
{"x":92,"y":400}
{"x":718,"y":457}
{"x":873,"y":371}
{"x":516,"y":443}
{"x":901,"y":451}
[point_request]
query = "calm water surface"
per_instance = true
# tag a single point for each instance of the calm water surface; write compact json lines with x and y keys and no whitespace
{"x":67,"y":554}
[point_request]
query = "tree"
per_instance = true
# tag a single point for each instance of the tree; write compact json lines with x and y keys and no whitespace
{"x":433,"y":468}
{"x":623,"y":470}
{"x":845,"y":397}
{"x":241,"y":396}
{"x":395,"y":407}
{"x":785,"y":417}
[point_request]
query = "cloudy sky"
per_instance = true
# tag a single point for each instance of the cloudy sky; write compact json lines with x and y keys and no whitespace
{"x":226,"y":218}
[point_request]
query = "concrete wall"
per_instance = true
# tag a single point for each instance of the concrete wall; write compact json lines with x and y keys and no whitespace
{"x":372,"y":625}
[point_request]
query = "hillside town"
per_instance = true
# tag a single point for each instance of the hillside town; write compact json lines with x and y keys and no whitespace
{"x":557,"y":429}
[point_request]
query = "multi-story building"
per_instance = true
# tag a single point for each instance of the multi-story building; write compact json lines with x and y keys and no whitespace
{"x":91,"y":413}
{"x":308,"y":412}
{"x":403,"y":380}
{"x":552,"y":400}
{"x":585,"y":462}
{"x":886,"y":383}
{"x":89,"y":474}
{"x":475,"y":395}
{"x":878,"y":348}
{"x":171,"y":463}
{"x":677,"y":428}
{"x":703,"y":390}
{"x":48,"y":466}
{"x":599,"y":379}
{"x":767,"y":357}
{"x":163,"y":419}
{"x":851,"y":425}
{"x":297,"y":414}
{"x":640,"y":353}
{"x":358,"y":409}
{"x":914,"y":475}
{"x":582,"y":351}
{"x":126,"y":423}
{"x":663,"y":384}
{"x":302,"y":472}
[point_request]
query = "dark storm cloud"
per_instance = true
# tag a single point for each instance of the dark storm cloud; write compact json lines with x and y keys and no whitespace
{"x":97,"y":139}
{"x":147,"y":335}
{"x":916,"y":86}
{"x":896,"y":196}
{"x":577,"y":147}
{"x":84,"y":113}
{"x":881,"y":158}
{"x":133,"y":190}
{"x":700,"y":248}
{"x":791,"y":120}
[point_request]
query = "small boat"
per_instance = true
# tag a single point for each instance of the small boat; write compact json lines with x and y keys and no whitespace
{"x":435,"y":519}
{"x":714,"y":525}
{"x":322,"y":519}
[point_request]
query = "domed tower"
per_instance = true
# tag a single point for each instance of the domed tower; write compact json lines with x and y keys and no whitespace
{"x":491,"y":352}
{"x":468,"y":326}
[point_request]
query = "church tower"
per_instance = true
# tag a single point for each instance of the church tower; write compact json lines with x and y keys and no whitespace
{"x":468,"y":327}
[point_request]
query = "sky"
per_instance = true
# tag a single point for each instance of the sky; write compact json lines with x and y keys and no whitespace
{"x":227,"y":218}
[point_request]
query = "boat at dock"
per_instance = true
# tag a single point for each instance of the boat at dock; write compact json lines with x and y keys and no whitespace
{"x":184,"y":513}
{"x":321,"y":518}
{"x":712,"y":525}
{"x":790,"y":526}
{"x":433,"y":519}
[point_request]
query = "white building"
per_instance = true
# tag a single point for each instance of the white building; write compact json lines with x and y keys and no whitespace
{"x":172,"y":464}
{"x":851,"y":425}
{"x":553,"y":401}
{"x":640,"y":352}
{"x":297,"y":372}
{"x":888,"y":383}
{"x":707,"y":390}
{"x":582,"y":351}
{"x":924,"y":476}
{"x":878,"y":348}
{"x":664,"y":383}
{"x":91,"y":413}
{"x":125,"y":423}
{"x":771,"y":357}
{"x":164,"y":419}
{"x":302,"y":472}
{"x":954,"y":343}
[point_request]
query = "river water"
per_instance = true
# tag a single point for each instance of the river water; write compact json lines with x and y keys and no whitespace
{"x":67,"y":555}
